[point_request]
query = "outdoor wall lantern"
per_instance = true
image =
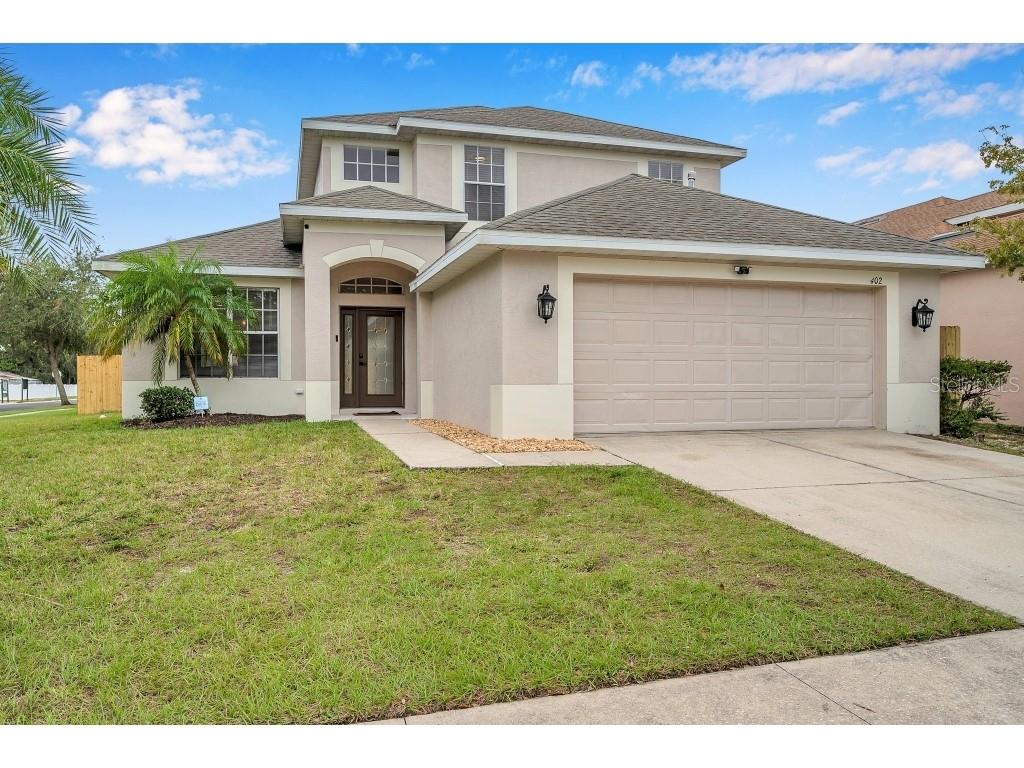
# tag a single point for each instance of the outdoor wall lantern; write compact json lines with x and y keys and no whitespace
{"x":921,"y":315}
{"x":545,"y":305}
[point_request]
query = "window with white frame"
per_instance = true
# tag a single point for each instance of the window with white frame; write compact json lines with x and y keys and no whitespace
{"x":261,"y":358}
{"x":666,"y":171}
{"x":485,"y":182}
{"x":370,"y":164}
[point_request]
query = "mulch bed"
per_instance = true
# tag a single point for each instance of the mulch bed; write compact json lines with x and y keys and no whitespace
{"x":213,"y":420}
{"x":481,"y":443}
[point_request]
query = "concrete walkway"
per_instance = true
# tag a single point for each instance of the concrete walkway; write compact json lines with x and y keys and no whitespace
{"x":978,"y":679}
{"x":420,"y":449}
{"x":949,"y":515}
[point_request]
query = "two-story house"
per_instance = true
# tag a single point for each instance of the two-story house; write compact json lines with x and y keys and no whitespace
{"x":406,"y":275}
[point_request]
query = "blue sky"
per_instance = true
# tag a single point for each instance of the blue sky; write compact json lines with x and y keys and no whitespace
{"x":173,"y":141}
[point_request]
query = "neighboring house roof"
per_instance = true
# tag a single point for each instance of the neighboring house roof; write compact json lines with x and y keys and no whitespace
{"x":940,"y":219}
{"x":928,"y":219}
{"x":641,"y":207}
{"x":9,"y":376}
{"x":367,"y":203}
{"x":637,"y":215}
{"x":528,"y":124}
{"x":254,"y":246}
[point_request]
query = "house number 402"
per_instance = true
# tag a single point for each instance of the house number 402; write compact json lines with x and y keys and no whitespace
{"x":876,"y":280}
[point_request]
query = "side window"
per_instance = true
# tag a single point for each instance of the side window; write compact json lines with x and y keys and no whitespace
{"x":261,"y":358}
{"x":370,"y":164}
{"x":666,"y":171}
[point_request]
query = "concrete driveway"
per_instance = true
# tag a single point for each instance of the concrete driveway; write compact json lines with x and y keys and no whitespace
{"x":948,"y":515}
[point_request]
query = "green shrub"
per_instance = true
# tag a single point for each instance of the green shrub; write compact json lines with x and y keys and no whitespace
{"x":965,"y":386}
{"x":162,"y":403}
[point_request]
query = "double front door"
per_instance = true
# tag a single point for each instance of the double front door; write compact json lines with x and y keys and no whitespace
{"x":371,"y":358}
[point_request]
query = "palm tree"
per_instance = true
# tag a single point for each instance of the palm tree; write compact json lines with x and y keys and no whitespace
{"x":180,"y":306}
{"x":42,"y":209}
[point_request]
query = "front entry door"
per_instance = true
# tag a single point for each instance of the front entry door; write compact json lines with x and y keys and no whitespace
{"x":372,"y":357}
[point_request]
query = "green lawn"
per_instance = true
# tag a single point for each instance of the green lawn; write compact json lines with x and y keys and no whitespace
{"x":1005,"y":438}
{"x":299,"y":573}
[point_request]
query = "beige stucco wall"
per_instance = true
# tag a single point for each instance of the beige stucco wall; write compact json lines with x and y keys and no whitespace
{"x":530,"y":377}
{"x":467,"y":345}
{"x":277,"y":396}
{"x":333,"y":151}
{"x":367,"y":250}
{"x":550,"y":170}
{"x":432,"y":178}
{"x":546,"y":177}
{"x":985,"y":305}
{"x":708,"y":177}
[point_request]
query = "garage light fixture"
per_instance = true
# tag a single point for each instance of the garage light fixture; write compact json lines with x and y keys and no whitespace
{"x":921,"y":315}
{"x":545,"y":305}
{"x":741,"y":269}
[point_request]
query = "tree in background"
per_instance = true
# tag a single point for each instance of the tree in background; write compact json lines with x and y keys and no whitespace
{"x":42,"y":210}
{"x":1000,"y":152}
{"x":44,"y":306}
{"x":180,"y":306}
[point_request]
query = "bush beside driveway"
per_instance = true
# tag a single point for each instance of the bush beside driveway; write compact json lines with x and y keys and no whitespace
{"x":295,"y":572}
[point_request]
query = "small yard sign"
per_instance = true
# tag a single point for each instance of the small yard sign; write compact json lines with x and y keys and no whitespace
{"x":200,"y":404}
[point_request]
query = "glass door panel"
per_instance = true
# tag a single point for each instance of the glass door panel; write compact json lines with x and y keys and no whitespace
{"x":380,"y":354}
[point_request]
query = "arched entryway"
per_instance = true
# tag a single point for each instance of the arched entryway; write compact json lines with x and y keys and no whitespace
{"x":374,"y":332}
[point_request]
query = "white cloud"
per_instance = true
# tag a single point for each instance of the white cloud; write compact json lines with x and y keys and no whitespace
{"x":73,"y":147}
{"x":642,"y":72}
{"x":940,"y":162}
{"x":151,"y":130}
{"x":771,"y":70}
{"x":837,"y":114}
{"x":843,"y":159}
{"x":589,"y":74}
{"x":354,"y":49}
{"x":417,"y":60}
{"x":947,"y":102}
{"x":69,"y":116}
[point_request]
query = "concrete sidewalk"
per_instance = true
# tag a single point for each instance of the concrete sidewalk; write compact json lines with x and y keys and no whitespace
{"x":977,"y":679}
{"x":420,"y":449}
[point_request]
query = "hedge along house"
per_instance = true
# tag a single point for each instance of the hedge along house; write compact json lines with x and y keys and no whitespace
{"x":406,"y":276}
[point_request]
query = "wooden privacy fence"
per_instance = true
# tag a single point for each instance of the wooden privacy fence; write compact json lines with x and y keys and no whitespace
{"x":99,"y":383}
{"x":949,"y":341}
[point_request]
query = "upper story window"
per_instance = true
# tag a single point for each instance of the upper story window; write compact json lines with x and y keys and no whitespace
{"x":485,"y":182}
{"x":371,"y":164}
{"x":260,"y":361}
{"x":666,"y":171}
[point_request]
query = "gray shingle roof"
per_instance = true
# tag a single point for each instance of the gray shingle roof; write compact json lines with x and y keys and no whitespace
{"x":373,"y":198}
{"x":255,"y":245}
{"x":530,"y":118}
{"x":639,"y":207}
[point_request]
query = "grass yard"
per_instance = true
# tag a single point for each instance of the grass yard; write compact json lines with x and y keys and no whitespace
{"x":294,"y":572}
{"x":1005,"y":438}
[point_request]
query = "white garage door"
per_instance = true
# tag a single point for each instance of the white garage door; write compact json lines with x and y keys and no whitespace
{"x":657,"y":355}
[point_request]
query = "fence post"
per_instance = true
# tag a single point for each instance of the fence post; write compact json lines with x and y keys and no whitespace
{"x":949,"y":341}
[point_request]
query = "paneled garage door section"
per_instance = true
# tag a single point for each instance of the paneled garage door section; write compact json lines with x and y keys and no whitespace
{"x":656,"y":355}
